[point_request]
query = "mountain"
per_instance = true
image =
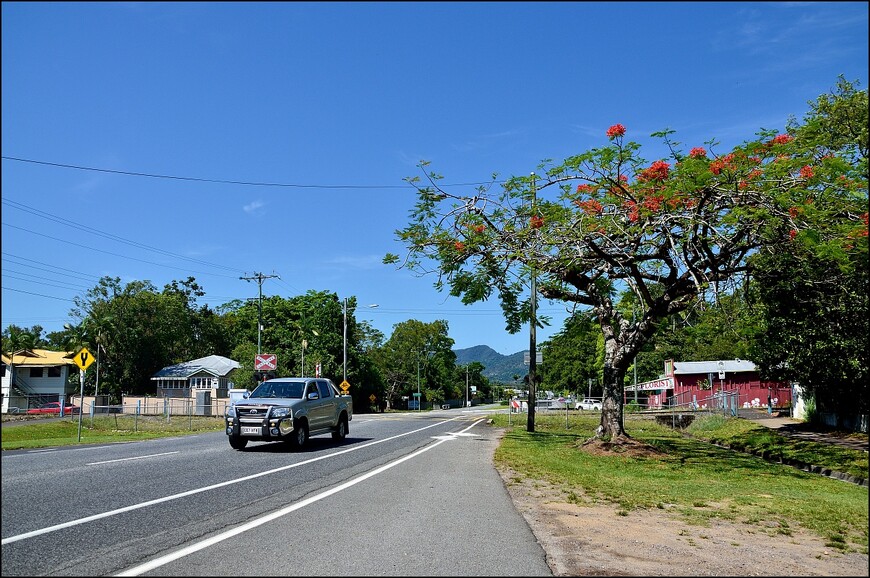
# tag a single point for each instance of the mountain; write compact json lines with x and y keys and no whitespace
{"x":498,"y":368}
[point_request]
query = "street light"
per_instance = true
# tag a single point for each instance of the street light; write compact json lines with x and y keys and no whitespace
{"x":304,"y":345}
{"x":344,"y":363}
{"x":419,"y":398}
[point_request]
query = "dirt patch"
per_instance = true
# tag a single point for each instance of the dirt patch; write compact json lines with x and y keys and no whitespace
{"x":603,"y":540}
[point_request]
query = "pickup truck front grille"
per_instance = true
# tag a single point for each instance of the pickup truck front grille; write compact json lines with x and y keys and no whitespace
{"x":252,"y":413}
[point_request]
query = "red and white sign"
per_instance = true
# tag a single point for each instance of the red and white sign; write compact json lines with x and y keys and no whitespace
{"x":317,"y":370}
{"x":265,"y":362}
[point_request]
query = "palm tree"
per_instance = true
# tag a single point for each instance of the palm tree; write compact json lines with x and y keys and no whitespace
{"x":17,"y":339}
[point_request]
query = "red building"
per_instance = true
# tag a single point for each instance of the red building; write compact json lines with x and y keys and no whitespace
{"x":700,"y":381}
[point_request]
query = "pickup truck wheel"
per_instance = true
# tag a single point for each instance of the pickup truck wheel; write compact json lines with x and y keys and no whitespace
{"x":300,"y":435}
{"x":340,"y":430}
{"x":238,"y":443}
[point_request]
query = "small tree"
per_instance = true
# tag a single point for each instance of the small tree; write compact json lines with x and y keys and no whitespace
{"x":606,"y":221}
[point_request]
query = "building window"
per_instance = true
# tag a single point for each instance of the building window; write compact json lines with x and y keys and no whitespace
{"x":35,"y":372}
{"x":54,"y":371}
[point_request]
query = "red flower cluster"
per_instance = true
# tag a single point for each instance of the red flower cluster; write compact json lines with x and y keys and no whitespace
{"x":615,"y":130}
{"x":792,"y":234}
{"x":584,"y":188}
{"x":782,"y":139}
{"x":460,"y":246}
{"x":654,"y":203}
{"x":722,"y":163}
{"x":591,"y":206}
{"x":807,"y":172}
{"x":658,"y":171}
{"x":698,"y":153}
{"x":633,"y":213}
{"x":793,"y":212}
{"x":536,"y":222}
{"x":479,"y":228}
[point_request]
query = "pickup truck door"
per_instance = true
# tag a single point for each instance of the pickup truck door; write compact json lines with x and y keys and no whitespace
{"x":327,"y":404}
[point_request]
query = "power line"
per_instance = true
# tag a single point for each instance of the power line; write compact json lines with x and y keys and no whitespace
{"x":37,"y":294}
{"x":221,"y":181}
{"x":93,"y":231}
{"x":113,"y":254}
{"x":259,"y":278}
{"x":54,"y":268}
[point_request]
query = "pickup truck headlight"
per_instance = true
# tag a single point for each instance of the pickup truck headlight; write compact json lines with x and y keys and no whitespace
{"x":281,"y":412}
{"x":231,"y":411}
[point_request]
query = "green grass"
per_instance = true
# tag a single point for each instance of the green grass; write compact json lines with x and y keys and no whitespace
{"x":103,"y":429}
{"x":691,"y":478}
{"x":744,"y":435}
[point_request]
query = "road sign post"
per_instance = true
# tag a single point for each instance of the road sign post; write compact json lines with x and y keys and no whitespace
{"x":83,"y":359}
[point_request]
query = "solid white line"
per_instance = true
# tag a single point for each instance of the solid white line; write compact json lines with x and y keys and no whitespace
{"x":125,"y":509}
{"x":134,"y":458}
{"x":186,"y":551}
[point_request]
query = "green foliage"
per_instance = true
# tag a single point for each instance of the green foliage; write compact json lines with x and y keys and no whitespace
{"x":571,"y":356}
{"x":418,"y":349}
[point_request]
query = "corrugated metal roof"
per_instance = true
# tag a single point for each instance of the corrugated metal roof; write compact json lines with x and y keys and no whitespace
{"x":728,"y":365}
{"x":216,"y":365}
{"x":40,"y":358}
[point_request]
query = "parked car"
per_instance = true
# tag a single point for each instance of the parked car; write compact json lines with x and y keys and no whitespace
{"x":588,"y":404}
{"x":54,"y":407}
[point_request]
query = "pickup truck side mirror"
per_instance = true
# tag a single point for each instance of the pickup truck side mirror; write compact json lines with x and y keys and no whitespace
{"x":313,"y":395}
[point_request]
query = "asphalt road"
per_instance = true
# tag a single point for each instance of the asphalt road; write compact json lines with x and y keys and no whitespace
{"x":403,"y":495}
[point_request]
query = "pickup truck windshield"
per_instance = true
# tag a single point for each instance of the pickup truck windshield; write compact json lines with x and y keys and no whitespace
{"x":291,"y":390}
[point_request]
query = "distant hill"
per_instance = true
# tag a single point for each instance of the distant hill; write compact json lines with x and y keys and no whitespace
{"x":498,"y":368}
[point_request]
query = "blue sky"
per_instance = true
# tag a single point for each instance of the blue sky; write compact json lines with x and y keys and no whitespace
{"x":332,"y":105}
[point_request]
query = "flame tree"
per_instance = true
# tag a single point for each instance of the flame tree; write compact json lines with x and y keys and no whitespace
{"x":669,"y":232}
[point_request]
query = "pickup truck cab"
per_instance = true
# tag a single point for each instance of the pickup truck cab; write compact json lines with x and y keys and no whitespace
{"x":589,"y":404}
{"x":290,"y":410}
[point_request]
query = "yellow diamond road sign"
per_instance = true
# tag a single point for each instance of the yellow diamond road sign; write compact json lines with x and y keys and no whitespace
{"x":344,"y":385}
{"x":83,"y":358}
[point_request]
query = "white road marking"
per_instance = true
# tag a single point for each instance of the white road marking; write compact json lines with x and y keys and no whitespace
{"x":86,"y":519}
{"x":163,"y":560}
{"x":134,"y":458}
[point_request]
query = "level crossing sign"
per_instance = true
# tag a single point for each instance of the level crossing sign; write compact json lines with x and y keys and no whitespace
{"x":265,"y":362}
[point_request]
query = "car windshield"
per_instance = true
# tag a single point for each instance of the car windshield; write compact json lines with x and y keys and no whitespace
{"x":292,"y":390}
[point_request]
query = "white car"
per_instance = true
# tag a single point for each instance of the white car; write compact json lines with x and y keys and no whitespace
{"x":588,"y":404}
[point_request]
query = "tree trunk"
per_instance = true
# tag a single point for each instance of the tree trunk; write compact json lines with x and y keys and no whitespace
{"x":612,"y":406}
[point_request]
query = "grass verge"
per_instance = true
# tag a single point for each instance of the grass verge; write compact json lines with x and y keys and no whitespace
{"x":103,"y":429}
{"x":689,"y":477}
{"x":744,"y":435}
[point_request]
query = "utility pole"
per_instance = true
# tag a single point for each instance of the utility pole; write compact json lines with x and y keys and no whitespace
{"x":259,"y":278}
{"x":344,"y":348}
{"x":533,"y":321}
{"x":467,"y":397}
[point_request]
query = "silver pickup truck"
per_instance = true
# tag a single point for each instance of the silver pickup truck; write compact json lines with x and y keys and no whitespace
{"x":290,"y":410}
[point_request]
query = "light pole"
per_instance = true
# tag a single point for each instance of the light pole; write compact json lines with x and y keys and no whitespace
{"x":344,"y":348}
{"x":304,"y":346}
{"x":419,"y":398}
